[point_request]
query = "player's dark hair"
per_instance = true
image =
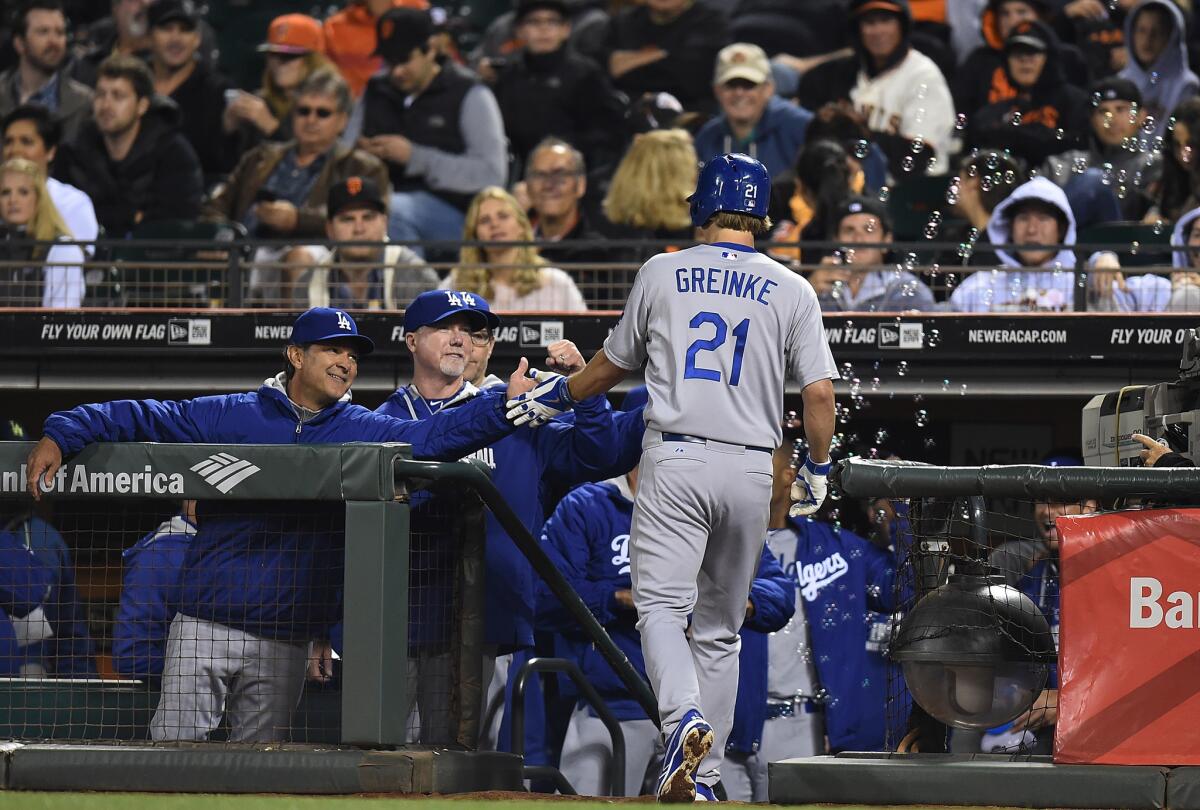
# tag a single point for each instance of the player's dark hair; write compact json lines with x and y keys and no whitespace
{"x":21,"y":18}
{"x":49,"y":129}
{"x":131,"y":69}
{"x":758,"y":226}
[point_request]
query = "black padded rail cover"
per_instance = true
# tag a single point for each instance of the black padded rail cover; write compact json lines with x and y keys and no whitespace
{"x":960,"y":780}
{"x":1183,"y":789}
{"x":865,"y":478}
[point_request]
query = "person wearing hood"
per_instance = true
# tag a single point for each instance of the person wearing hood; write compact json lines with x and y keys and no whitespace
{"x":130,"y":159}
{"x":1044,"y":115}
{"x":1038,"y":278}
{"x":899,"y":90}
{"x":982,"y":79}
{"x":753,"y":120}
{"x":1158,"y":59}
{"x":1185,"y":281}
{"x":854,"y":278}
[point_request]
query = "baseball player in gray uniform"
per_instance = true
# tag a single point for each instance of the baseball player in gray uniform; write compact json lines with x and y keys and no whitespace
{"x":718,"y":325}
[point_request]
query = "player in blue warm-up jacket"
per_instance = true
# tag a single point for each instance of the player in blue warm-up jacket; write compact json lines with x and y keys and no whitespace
{"x":25,"y":583}
{"x":261,"y":579}
{"x":150,"y":594}
{"x":819,"y":676}
{"x":442,"y":329}
{"x":588,"y":538}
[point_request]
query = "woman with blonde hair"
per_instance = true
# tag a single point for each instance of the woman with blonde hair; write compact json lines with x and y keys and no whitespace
{"x":512,"y":278}
{"x":647,"y":198}
{"x":53,"y":275}
{"x":294,"y":49}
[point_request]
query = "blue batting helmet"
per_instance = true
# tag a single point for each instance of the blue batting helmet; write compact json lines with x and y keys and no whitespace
{"x":735,"y":183}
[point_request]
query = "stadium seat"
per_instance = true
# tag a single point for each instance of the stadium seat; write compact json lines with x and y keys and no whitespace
{"x":175,"y":283}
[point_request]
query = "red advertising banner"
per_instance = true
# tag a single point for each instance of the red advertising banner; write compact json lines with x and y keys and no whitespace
{"x":1129,"y":660}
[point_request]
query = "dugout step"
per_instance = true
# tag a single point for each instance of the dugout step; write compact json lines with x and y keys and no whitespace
{"x":240,"y":769}
{"x":966,"y":779}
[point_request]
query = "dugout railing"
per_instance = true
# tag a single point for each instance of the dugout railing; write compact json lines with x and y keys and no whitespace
{"x":413,"y":555}
{"x":231,"y":272}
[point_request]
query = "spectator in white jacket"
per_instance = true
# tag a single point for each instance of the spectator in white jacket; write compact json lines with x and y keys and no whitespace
{"x":46,"y":274}
{"x":32,"y":132}
{"x":898,"y":90}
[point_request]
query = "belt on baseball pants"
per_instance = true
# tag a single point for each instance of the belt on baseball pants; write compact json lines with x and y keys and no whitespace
{"x":792,"y":708}
{"x":683,"y":437}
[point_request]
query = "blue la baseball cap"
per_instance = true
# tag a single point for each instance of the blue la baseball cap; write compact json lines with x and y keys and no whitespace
{"x":435,"y":305}
{"x":324,"y":324}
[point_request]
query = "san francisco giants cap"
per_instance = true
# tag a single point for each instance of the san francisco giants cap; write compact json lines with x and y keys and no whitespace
{"x":356,"y":192}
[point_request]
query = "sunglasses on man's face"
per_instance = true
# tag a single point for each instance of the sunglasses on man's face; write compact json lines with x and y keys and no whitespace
{"x":304,"y":111}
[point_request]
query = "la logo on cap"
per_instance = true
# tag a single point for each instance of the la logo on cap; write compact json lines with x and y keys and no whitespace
{"x":344,"y":321}
{"x":460,"y":299}
{"x":354,"y":185}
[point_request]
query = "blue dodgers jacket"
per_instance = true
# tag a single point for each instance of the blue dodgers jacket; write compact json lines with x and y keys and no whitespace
{"x":25,"y":583}
{"x":271,"y":568}
{"x":56,"y":636}
{"x":842,"y":578}
{"x":588,"y":539}
{"x":150,"y":594}
{"x":566,"y":453}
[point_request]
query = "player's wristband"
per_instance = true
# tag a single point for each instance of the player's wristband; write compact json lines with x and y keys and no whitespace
{"x":815,"y":468}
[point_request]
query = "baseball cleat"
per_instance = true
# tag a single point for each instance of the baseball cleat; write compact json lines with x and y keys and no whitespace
{"x":704,"y":793}
{"x":687,"y":748}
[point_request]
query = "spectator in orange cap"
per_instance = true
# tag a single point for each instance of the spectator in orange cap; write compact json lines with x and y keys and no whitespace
{"x":350,"y":38}
{"x":295,"y":50}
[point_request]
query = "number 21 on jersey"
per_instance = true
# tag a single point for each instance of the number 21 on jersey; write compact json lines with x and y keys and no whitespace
{"x":692,"y":370}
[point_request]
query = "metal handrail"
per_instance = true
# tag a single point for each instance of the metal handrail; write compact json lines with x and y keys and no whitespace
{"x":479,"y":480}
{"x":616,"y":767}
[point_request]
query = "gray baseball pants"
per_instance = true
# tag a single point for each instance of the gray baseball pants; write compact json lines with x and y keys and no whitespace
{"x":699,"y":523}
{"x":211,"y":668}
{"x":587,"y":752}
{"x":800,"y":735}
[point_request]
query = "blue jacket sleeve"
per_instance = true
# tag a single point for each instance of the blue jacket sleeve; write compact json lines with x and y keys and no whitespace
{"x":148,"y":601}
{"x":881,"y":578}
{"x":773,"y":594}
{"x":582,"y":451}
{"x":135,"y":420}
{"x":449,"y":434}
{"x":566,"y":541}
{"x":25,"y":581}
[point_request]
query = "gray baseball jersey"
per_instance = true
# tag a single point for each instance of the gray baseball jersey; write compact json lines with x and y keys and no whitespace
{"x":720,"y":325}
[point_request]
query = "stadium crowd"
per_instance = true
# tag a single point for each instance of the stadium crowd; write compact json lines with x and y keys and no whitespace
{"x":393,"y":155}
{"x":577,"y":126}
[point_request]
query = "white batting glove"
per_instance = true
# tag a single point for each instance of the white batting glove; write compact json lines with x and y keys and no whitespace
{"x":547,"y":400}
{"x":810,"y":487}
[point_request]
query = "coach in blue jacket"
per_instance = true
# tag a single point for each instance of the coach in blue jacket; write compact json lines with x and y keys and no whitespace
{"x":442,"y":328}
{"x":150,"y":588}
{"x":588,"y":539}
{"x":262,"y":578}
{"x":822,"y":663}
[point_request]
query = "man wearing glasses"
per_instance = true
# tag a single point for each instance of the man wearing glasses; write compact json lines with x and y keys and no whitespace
{"x":556,"y":181}
{"x":279,"y":190}
{"x":445,"y":331}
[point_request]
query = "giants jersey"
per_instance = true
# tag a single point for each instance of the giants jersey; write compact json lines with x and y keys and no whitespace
{"x":719,"y":326}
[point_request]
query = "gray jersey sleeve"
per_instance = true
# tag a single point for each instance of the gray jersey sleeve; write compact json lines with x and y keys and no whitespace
{"x":809,"y":358}
{"x":626,"y":345}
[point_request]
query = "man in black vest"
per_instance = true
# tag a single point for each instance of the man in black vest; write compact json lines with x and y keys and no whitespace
{"x":437,"y":128}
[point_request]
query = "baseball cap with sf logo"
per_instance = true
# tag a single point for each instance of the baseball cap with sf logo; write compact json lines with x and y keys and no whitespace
{"x":354,"y":192}
{"x":742,"y":60}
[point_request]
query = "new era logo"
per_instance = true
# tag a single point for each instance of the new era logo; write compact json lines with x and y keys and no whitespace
{"x":224,"y":471}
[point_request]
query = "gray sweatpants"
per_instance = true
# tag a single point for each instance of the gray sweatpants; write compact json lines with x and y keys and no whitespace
{"x":495,"y":683}
{"x":800,"y":735}
{"x":699,"y":523}
{"x":210,"y":668}
{"x":587,"y":752}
